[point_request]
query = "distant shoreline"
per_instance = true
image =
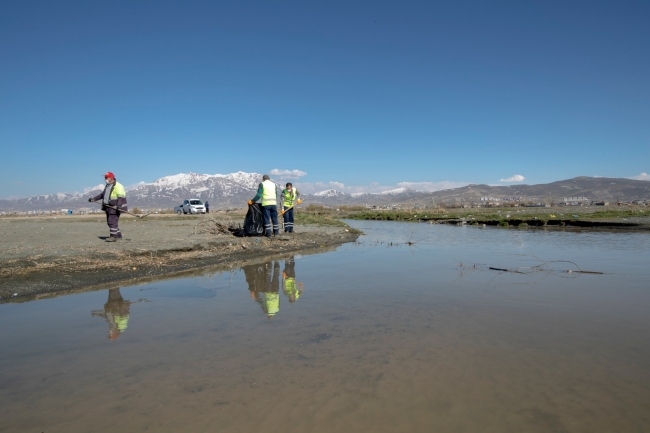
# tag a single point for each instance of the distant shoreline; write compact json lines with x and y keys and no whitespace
{"x":546,"y":218}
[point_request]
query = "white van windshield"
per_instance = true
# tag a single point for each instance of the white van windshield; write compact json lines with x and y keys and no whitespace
{"x":195,"y":202}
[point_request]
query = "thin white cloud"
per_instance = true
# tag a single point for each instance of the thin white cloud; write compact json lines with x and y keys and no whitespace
{"x":513,"y":178}
{"x":287,"y":174}
{"x":642,"y":176}
{"x":312,"y":187}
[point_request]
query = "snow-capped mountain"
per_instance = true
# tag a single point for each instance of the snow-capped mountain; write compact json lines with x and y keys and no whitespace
{"x":330,"y":193}
{"x":230,"y":190}
{"x":250,"y":180}
{"x":235,"y":189}
{"x":221,"y":190}
{"x":396,"y":191}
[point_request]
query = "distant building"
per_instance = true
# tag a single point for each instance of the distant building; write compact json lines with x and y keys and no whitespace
{"x":574,"y":201}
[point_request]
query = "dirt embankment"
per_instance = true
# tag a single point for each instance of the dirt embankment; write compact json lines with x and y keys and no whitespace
{"x":41,"y":256}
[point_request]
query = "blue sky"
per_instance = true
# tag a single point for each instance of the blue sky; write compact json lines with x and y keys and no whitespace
{"x":358,"y":95}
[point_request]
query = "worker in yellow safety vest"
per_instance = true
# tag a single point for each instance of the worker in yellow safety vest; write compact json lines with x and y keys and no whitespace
{"x":114,"y":196}
{"x":290,"y":198}
{"x":268,"y":193}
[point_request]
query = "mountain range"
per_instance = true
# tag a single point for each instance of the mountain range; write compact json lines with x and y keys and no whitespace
{"x":593,"y":188}
{"x":235,"y":189}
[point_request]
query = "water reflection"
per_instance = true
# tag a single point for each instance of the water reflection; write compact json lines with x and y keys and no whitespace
{"x":116,"y":312}
{"x":291,"y":288}
{"x":264,"y":284}
{"x":356,"y":354}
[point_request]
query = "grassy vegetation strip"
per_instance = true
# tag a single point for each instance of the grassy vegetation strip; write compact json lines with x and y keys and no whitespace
{"x":320,"y":215}
{"x":504,"y":214}
{"x":392,"y":216}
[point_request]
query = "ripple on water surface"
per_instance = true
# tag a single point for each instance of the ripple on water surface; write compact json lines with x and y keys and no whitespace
{"x":407,"y":330}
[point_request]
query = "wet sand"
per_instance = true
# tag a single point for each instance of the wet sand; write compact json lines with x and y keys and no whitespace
{"x":48,"y":255}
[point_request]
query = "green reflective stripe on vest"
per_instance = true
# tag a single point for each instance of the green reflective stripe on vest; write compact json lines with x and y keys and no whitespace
{"x":269,"y":197}
{"x":288,"y":198}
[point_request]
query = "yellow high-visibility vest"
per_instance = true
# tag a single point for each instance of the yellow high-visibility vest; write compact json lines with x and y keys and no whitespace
{"x":288,"y":198}
{"x":291,"y":287}
{"x":269,"y":195}
{"x":122,"y":322}
{"x":272,"y":303}
{"x":118,"y":191}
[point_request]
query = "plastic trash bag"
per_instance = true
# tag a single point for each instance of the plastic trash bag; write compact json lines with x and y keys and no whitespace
{"x":254,"y":222}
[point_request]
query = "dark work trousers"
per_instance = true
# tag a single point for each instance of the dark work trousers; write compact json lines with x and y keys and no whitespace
{"x":271,"y":215}
{"x":288,"y":219}
{"x":112,"y":220}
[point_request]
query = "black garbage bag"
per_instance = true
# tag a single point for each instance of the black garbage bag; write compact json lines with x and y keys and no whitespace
{"x":254,"y":222}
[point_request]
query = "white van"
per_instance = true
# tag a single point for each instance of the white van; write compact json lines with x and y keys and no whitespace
{"x":192,"y":205}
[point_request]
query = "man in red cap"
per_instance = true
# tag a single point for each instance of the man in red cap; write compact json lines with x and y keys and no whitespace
{"x":115,"y":196}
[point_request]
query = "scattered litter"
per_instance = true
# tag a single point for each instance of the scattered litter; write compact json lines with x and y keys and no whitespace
{"x":505,"y":270}
{"x":544,"y":267}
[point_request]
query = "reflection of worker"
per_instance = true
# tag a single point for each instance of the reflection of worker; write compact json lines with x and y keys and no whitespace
{"x":290,"y":198}
{"x":290,"y":287}
{"x":116,"y":312}
{"x":267,"y":192}
{"x":264,"y":284}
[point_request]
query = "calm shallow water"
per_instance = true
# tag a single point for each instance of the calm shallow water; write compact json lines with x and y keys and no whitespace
{"x":379,"y":337}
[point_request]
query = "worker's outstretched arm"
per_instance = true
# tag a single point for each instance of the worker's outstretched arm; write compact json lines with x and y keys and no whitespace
{"x":260,"y":191}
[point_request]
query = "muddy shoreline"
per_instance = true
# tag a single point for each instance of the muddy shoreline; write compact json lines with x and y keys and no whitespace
{"x":45,"y":257}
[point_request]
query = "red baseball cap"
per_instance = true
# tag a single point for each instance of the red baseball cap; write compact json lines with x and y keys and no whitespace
{"x":109,"y":175}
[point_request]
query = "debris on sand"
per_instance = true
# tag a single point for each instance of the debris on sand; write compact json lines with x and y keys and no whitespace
{"x":209,"y":225}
